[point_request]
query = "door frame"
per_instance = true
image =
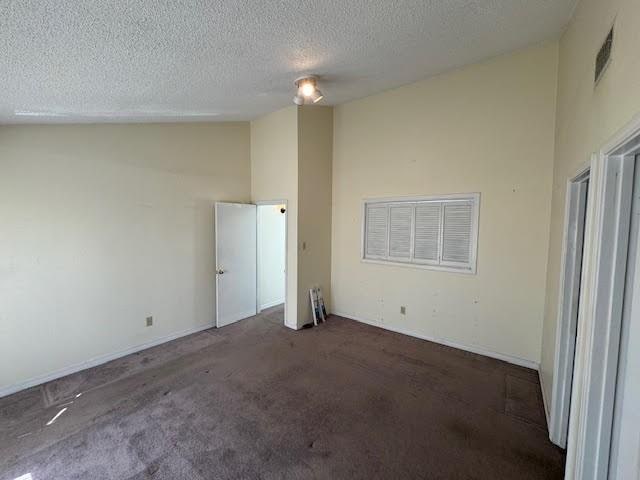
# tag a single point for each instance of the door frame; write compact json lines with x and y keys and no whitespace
{"x":286,"y":253}
{"x":568,"y":303}
{"x":601,"y":301}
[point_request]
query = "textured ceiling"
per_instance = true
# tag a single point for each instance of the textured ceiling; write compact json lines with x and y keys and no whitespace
{"x":152,"y":60}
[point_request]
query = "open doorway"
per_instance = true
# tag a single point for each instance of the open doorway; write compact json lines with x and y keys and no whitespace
{"x":271,"y":257}
{"x":251,"y":265}
{"x":569,"y":301}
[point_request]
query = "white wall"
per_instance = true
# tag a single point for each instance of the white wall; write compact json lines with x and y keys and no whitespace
{"x":102,"y":226}
{"x":271,"y":255}
{"x":486,"y":128}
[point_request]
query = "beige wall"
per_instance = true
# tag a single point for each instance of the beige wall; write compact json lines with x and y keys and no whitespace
{"x":103,"y":226}
{"x":291,"y":153}
{"x":487,"y":128}
{"x":587,"y":118}
{"x":315,"y":144}
{"x":274,"y":176}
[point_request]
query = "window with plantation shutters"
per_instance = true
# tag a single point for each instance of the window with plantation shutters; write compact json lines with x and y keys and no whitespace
{"x":426,"y":247}
{"x":428,"y":232}
{"x":377,"y":220}
{"x":400,"y":232}
{"x":457,"y":229}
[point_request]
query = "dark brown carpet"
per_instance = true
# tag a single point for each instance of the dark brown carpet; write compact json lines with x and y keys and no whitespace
{"x":257,"y":400}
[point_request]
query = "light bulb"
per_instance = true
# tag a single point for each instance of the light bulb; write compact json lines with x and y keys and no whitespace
{"x":307,"y":89}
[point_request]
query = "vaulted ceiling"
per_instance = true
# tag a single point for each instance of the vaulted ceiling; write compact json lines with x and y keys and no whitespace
{"x":151,"y":60}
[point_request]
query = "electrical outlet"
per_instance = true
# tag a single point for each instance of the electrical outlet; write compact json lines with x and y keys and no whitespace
{"x":403,"y":310}
{"x":149,"y":321}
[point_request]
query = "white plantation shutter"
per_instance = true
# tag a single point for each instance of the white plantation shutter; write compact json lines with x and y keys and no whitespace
{"x":431,"y":232}
{"x":457,"y":229}
{"x":376,"y":237}
{"x":427,"y":232}
{"x":400,"y":231}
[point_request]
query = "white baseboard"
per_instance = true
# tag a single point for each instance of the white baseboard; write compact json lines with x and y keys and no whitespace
{"x":545,"y":401}
{"x":271,"y":304}
{"x":522,"y":362}
{"x":63,"y":372}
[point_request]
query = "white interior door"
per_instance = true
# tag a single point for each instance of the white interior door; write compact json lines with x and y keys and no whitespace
{"x":568,"y":320}
{"x":235,"y":225}
{"x":625,"y":441}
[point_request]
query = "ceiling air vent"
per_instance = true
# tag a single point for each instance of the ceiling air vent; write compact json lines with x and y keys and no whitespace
{"x":604,"y":56}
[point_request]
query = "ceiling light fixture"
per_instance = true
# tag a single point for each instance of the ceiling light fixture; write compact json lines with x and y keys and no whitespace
{"x":308,"y":91}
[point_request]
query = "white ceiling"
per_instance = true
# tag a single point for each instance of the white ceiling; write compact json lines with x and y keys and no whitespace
{"x":151,"y":60}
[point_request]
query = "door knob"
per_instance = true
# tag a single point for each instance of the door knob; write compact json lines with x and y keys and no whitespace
{"x":219,"y":271}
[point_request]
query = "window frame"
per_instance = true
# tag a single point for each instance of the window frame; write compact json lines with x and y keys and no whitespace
{"x":474,"y":198}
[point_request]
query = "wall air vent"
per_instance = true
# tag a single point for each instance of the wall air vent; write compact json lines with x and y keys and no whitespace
{"x":604,"y":56}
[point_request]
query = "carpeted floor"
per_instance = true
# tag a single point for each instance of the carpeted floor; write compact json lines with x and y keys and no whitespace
{"x":257,"y":400}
